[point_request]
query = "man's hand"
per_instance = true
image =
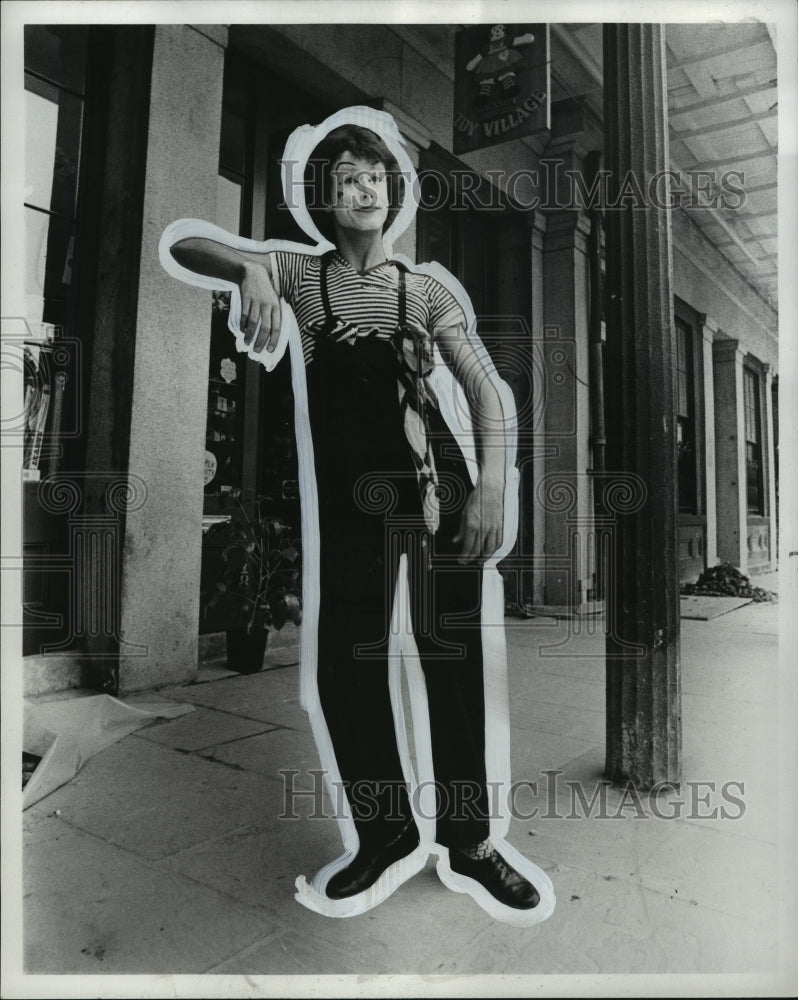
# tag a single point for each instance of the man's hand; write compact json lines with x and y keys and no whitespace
{"x":481,"y":524}
{"x":259,"y":304}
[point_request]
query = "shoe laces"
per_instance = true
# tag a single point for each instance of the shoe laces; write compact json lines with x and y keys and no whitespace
{"x":479,"y":852}
{"x":485,"y":851}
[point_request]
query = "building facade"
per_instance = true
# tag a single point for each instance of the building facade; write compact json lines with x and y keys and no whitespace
{"x":132,"y":127}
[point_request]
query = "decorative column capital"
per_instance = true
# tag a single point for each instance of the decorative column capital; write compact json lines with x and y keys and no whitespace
{"x":538,"y":224}
{"x":565,"y":229}
{"x":727,"y":350}
{"x":560,"y":167}
{"x":570,"y":148}
{"x":537,"y":141}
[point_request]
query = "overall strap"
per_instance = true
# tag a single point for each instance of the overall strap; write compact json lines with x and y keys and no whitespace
{"x":402,"y":299}
{"x":402,"y":294}
{"x":325,"y":294}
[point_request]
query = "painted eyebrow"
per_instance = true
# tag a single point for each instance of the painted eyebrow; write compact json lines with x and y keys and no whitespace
{"x":375,"y":167}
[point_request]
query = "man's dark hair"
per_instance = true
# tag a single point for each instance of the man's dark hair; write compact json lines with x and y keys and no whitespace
{"x":363,"y":144}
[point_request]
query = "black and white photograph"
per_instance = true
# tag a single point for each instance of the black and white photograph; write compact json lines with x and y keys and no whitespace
{"x":399,"y":487}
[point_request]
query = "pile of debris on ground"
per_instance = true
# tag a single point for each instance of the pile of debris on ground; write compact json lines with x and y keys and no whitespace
{"x":515,"y":610}
{"x":725,"y":580}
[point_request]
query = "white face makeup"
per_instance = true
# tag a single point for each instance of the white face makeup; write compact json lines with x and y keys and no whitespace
{"x":359,"y":194}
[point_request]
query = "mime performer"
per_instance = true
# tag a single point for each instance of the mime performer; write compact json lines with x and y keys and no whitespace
{"x":394,"y":495}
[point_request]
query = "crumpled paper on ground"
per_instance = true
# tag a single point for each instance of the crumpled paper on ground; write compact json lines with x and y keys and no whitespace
{"x":66,"y":734}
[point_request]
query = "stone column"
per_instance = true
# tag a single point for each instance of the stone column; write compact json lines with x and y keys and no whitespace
{"x":538,"y":443}
{"x":163,"y":540}
{"x":565,"y":349}
{"x":709,"y":331}
{"x":522,"y":569}
{"x":418,"y":138}
{"x":730,"y":454}
{"x":770,"y":467}
{"x":643,"y":676}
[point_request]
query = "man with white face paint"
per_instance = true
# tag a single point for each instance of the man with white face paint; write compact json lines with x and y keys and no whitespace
{"x":393,"y":489}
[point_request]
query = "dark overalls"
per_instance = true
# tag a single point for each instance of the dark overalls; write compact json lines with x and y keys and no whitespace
{"x":370,"y":512}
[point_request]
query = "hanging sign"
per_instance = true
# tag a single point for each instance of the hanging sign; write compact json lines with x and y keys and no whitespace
{"x":501,"y":86}
{"x":210,"y":467}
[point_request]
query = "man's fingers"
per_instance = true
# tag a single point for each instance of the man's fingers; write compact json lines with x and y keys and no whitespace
{"x":246,"y":307}
{"x":274,"y":318}
{"x":261,"y":338}
{"x":251,"y":329}
{"x":263,"y":320}
{"x":266,"y":330}
{"x":471,"y":546}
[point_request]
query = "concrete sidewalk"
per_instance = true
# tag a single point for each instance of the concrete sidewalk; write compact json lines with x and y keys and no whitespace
{"x":165,"y":854}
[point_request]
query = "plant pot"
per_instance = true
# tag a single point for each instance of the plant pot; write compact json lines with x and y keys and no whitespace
{"x":245,"y":650}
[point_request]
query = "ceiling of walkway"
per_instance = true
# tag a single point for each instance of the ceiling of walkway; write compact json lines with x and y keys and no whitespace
{"x":722,"y":108}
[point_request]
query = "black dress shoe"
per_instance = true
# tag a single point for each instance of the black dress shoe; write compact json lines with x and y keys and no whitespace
{"x":501,"y":880}
{"x":370,"y":863}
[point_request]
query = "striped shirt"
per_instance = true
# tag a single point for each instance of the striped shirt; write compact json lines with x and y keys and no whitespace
{"x":369,"y":300}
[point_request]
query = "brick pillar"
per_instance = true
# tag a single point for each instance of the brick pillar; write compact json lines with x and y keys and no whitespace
{"x":709,"y":331}
{"x":730,"y":454}
{"x":643,"y":676}
{"x":565,"y":490}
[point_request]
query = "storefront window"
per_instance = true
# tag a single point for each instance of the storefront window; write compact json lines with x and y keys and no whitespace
{"x":55,"y":69}
{"x":54,"y":107}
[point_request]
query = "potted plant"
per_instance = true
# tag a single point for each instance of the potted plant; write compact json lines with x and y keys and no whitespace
{"x":251,"y":580}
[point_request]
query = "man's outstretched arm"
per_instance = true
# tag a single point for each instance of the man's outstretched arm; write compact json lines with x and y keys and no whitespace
{"x":482,"y":522}
{"x":252,"y":272}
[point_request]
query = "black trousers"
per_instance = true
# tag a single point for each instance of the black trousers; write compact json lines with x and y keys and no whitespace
{"x":370,"y":514}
